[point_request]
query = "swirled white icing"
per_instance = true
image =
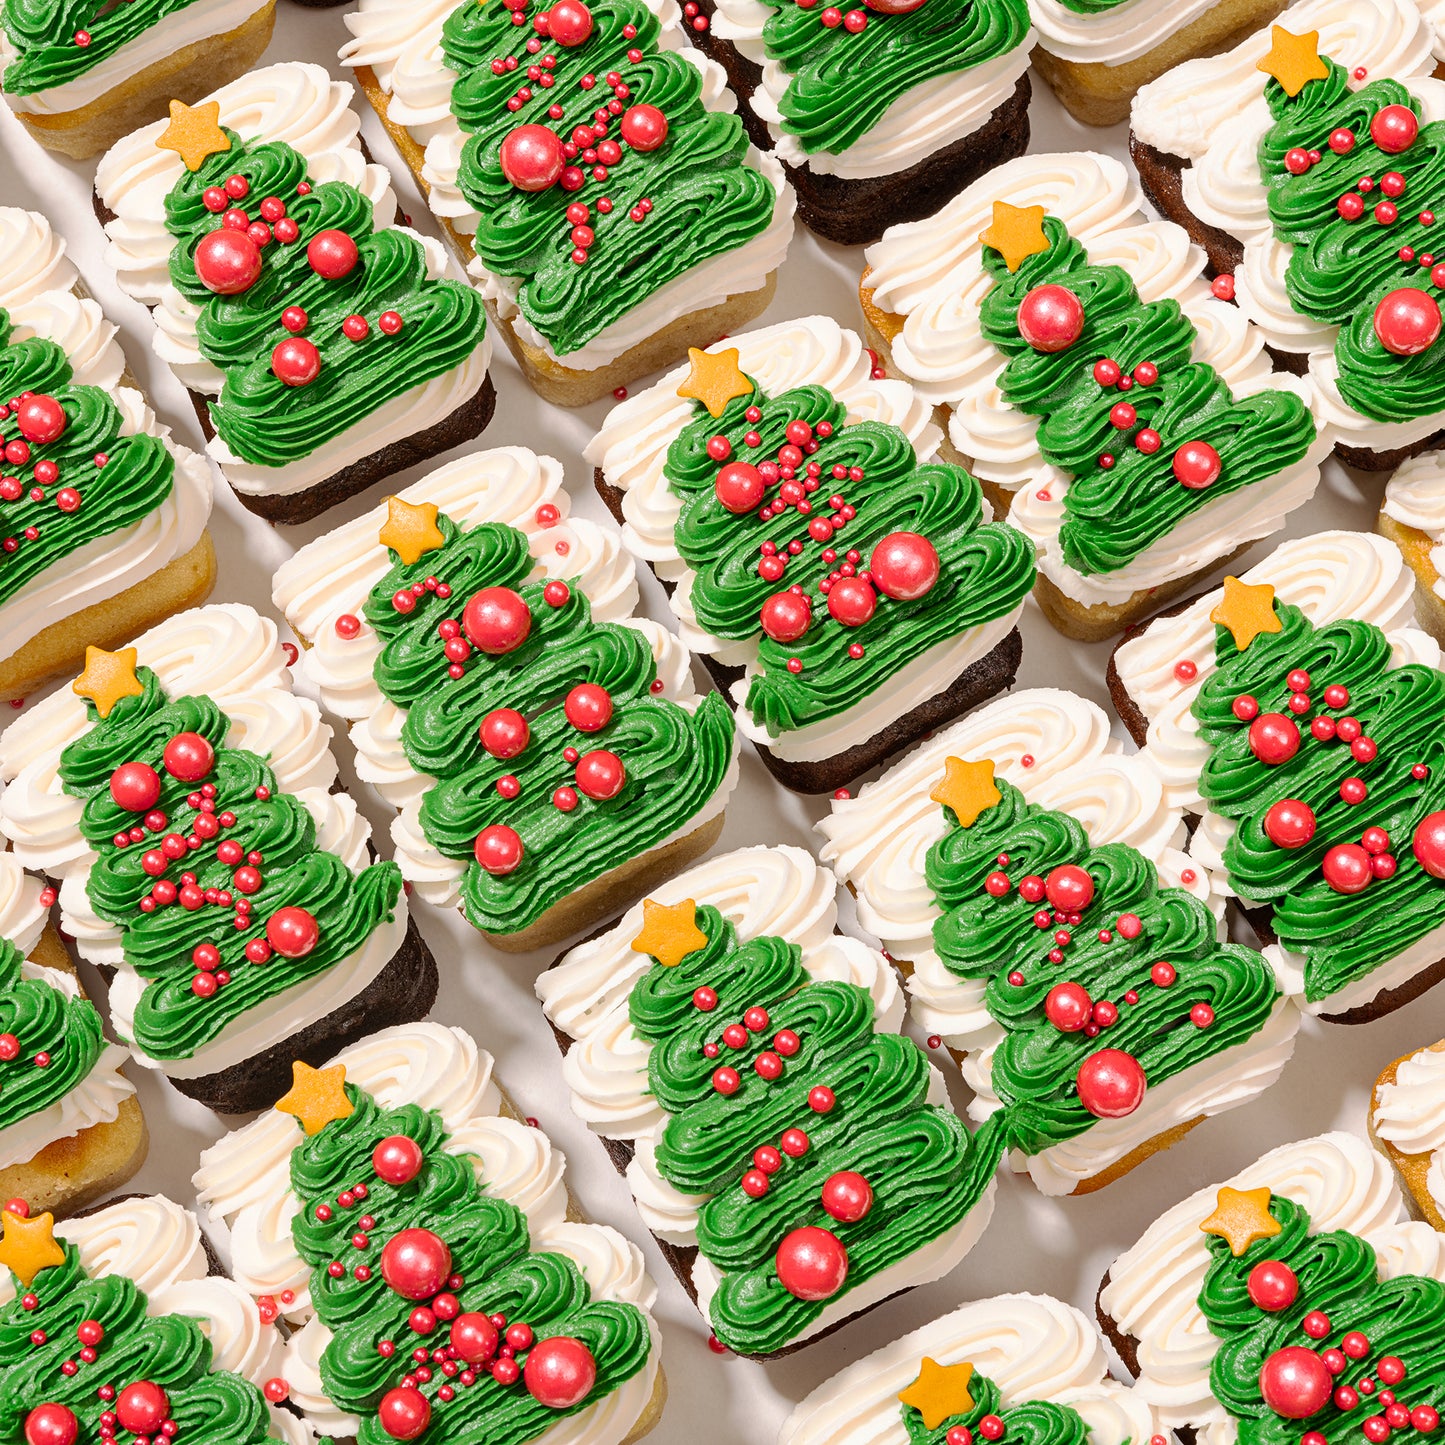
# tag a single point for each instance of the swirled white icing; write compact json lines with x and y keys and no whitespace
{"x":243,"y":1186}
{"x":878,"y":843}
{"x":1415,"y":497}
{"x":301,"y":105}
{"x":1153,"y":1289}
{"x":932,"y":273}
{"x":1410,"y":1114}
{"x":1111,"y":37}
{"x":781,"y":892}
{"x":335,"y":574}
{"x":39,"y":290}
{"x":631,"y":450}
{"x":1213,"y":114}
{"x":231,"y":654}
{"x":1031,"y":1346}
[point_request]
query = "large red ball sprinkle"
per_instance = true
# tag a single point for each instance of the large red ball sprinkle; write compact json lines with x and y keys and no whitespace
{"x":1295,"y":1382}
{"x":296,"y":361}
{"x":1068,"y":1007}
{"x":786,"y":616}
{"x":404,"y":1413}
{"x":532,"y":157}
{"x":142,"y":1407}
{"x":498,"y":849}
{"x":1273,"y":738}
{"x":569,"y":23}
{"x":497,"y":620}
{"x":397,"y":1159}
{"x":51,"y":1425}
{"x":811,"y":1263}
{"x":1273,"y":1285}
{"x":600,"y":775}
{"x":588,"y":707}
{"x":1347,"y":868}
{"x":1196,"y":465}
{"x":416,"y":1263}
{"x":1428,"y":844}
{"x":1394,"y":128}
{"x":474,"y":1338}
{"x":560,"y":1372}
{"x":332,"y":254}
{"x":851,"y":602}
{"x":189,"y":757}
{"x":293,"y":932}
{"x":740,"y":487}
{"x":1407,"y":321}
{"x":1069,"y":888}
{"x":1050,"y":318}
{"x":504,"y":732}
{"x":1289,"y":823}
{"x":41,"y":419}
{"x":904,"y":565}
{"x":847,"y":1196}
{"x":1111,"y":1084}
{"x":644,"y":127}
{"x":135,"y":787}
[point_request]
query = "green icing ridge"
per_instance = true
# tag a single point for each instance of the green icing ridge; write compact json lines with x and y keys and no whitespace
{"x":1031,"y":1422}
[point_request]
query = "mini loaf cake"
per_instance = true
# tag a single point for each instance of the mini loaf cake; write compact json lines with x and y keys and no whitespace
{"x":1302,"y":161}
{"x":1097,"y":53}
{"x":1128,"y":419}
{"x":119,"y":1326}
{"x":1407,"y":1122}
{"x":81,"y":75}
{"x":1412,"y":516}
{"x":587,"y":168}
{"x":393,"y":1199}
{"x":324,"y":345}
{"x":884,"y":607}
{"x":103,"y":516}
{"x":1293,"y":1300}
{"x":881,"y":114}
{"x":280,"y":939}
{"x":1019,"y":1367}
{"x":1031,"y":880}
{"x":794,"y":1155}
{"x":70,"y":1126}
{"x":546,"y":746}
{"x":1298,"y":708}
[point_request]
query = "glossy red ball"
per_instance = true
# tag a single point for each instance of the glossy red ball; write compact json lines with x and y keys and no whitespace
{"x":1273,"y":1285}
{"x":189,"y":757}
{"x":1394,"y":128}
{"x":588,"y":707}
{"x":497,"y":620}
{"x":397,"y":1159}
{"x":600,"y":775}
{"x":644,"y":127}
{"x":847,"y":1196}
{"x":51,"y":1425}
{"x":135,"y":787}
{"x":142,"y":1407}
{"x":498,"y":849}
{"x":811,"y":1263}
{"x":904,"y":566}
{"x":1069,"y":888}
{"x":296,"y":361}
{"x":1111,"y":1084}
{"x":532,"y":158}
{"x":1289,"y":823}
{"x":560,"y":1372}
{"x":1347,"y":868}
{"x":851,"y":602}
{"x":416,"y":1263}
{"x":1407,"y":321}
{"x":404,"y":1413}
{"x":786,"y":616}
{"x":1428,"y":844}
{"x":1295,"y":1383}
{"x":1196,"y":465}
{"x":569,"y":23}
{"x":332,"y":254}
{"x":1274,"y":738}
{"x":227,"y":262}
{"x":1051,"y":318}
{"x":740,"y":487}
{"x":1068,"y":1007}
{"x":293,"y":932}
{"x":474,"y":1338}
{"x":504,"y":732}
{"x":41,"y":419}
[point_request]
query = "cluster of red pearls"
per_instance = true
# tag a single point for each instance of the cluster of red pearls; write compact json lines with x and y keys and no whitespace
{"x":831,"y":17}
{"x":40,"y":421}
{"x":991,"y":1427}
{"x":141,"y":1408}
{"x":1195,"y":463}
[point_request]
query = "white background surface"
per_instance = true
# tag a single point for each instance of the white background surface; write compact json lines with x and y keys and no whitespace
{"x":1057,"y":1246}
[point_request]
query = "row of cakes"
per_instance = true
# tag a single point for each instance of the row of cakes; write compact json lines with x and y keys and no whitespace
{"x":392,"y":1195}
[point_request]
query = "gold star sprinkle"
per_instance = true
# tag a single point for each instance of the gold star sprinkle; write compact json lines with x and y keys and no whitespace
{"x":940,"y":1392}
{"x":1293,"y":60}
{"x":194,"y":133}
{"x":669,"y":934}
{"x":28,"y":1245}
{"x":1246,"y":611}
{"x":967,"y":788}
{"x":108,"y":677}
{"x":1242,"y":1216}
{"x":715,"y":379}
{"x":1016,"y":233}
{"x":316,"y":1096}
{"x":410,"y":531}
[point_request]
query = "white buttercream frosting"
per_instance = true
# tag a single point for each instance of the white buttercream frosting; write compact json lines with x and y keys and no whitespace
{"x":1114,"y":36}
{"x":1415,"y":497}
{"x":230,"y":654}
{"x":1410,"y":1114}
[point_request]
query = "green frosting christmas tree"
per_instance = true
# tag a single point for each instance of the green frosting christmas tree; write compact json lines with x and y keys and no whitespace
{"x":827,"y":542}
{"x":597,"y":172}
{"x":1103,"y":981}
{"x":210,"y":872}
{"x":441,"y":1311}
{"x":68,"y":476}
{"x":1314,"y":1344}
{"x":809,"y":1133}
{"x":314,"y":318}
{"x":955,"y":1405}
{"x":84,"y":1362}
{"x":1352,"y":174}
{"x":1145,"y":436}
{"x":1330,"y":761}
{"x":555,"y":758}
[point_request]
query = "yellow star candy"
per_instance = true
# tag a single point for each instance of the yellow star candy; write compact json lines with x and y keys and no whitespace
{"x":1246,"y":611}
{"x":1294,"y":60}
{"x":194,"y":133}
{"x":28,"y":1245}
{"x":715,"y":379}
{"x":316,"y":1096}
{"x":108,"y":677}
{"x":410,"y":530}
{"x":1016,"y":233}
{"x":669,"y":933}
{"x":940,"y":1392}
{"x":967,"y":788}
{"x":1241,"y":1216}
